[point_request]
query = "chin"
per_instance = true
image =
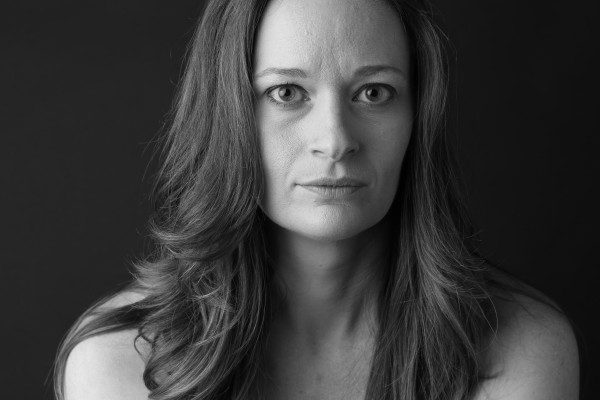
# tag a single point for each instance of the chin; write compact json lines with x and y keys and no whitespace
{"x":328,"y":225}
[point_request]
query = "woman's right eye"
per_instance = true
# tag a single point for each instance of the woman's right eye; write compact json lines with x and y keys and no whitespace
{"x":286,"y":95}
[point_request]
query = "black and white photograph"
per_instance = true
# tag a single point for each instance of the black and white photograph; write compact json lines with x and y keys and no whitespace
{"x":300,"y":199}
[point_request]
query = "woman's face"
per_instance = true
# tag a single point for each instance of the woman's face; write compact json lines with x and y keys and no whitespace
{"x":334,"y":113}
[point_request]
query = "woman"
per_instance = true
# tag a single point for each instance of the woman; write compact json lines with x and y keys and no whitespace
{"x":310,"y":242}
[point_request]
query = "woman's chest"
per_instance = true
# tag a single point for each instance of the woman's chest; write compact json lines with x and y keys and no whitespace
{"x":326,"y":375}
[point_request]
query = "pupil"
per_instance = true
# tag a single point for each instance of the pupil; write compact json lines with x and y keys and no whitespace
{"x":372,"y":93}
{"x":285,"y":93}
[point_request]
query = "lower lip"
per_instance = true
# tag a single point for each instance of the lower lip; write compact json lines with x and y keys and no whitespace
{"x":333,"y":192}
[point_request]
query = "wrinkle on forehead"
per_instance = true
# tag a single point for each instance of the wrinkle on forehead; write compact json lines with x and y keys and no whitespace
{"x":330,"y":37}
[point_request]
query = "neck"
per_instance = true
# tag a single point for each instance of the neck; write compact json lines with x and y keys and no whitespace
{"x":327,"y":290}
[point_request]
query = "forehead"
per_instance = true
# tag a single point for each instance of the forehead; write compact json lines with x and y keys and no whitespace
{"x":330,"y":36}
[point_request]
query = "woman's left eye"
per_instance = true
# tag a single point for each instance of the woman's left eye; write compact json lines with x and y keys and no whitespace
{"x":375,"y":94}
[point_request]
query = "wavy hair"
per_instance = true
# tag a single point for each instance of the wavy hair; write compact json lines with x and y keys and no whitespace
{"x":205,"y":308}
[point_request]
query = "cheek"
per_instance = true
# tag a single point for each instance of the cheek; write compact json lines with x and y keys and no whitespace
{"x":279,"y":148}
{"x":388,"y":156}
{"x":389,"y":151}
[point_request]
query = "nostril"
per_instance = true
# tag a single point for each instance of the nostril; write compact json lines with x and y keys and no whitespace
{"x":335,"y":150}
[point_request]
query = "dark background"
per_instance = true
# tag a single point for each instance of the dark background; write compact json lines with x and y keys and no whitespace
{"x":86,"y":86}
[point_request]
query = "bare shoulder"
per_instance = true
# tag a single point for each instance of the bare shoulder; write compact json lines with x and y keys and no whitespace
{"x":533,"y":356}
{"x":108,"y":366}
{"x":124,"y":298}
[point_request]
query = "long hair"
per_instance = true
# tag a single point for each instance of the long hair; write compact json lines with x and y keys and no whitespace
{"x":205,"y":308}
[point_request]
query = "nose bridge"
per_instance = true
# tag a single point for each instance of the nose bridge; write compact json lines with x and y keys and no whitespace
{"x":333,"y":136}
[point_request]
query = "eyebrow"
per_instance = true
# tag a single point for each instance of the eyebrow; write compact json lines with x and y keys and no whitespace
{"x":361,"y":72}
{"x":375,"y":69}
{"x":291,"y":72}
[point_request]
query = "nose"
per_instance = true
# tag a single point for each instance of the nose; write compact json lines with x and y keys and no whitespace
{"x":332,"y":136}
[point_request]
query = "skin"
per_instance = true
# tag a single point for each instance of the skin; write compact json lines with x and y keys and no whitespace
{"x":326,"y":248}
{"x":328,"y":125}
{"x":331,"y":101}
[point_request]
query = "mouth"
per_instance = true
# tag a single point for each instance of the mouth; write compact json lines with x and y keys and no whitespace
{"x":333,"y":187}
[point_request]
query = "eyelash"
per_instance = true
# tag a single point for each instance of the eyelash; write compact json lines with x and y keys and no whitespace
{"x":389,"y":88}
{"x":277,"y":103}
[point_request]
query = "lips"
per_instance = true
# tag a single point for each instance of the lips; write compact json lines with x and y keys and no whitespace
{"x":333,"y":187}
{"x":334,"y":182}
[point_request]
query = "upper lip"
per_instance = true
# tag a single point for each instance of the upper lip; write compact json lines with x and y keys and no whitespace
{"x":333,"y":182}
